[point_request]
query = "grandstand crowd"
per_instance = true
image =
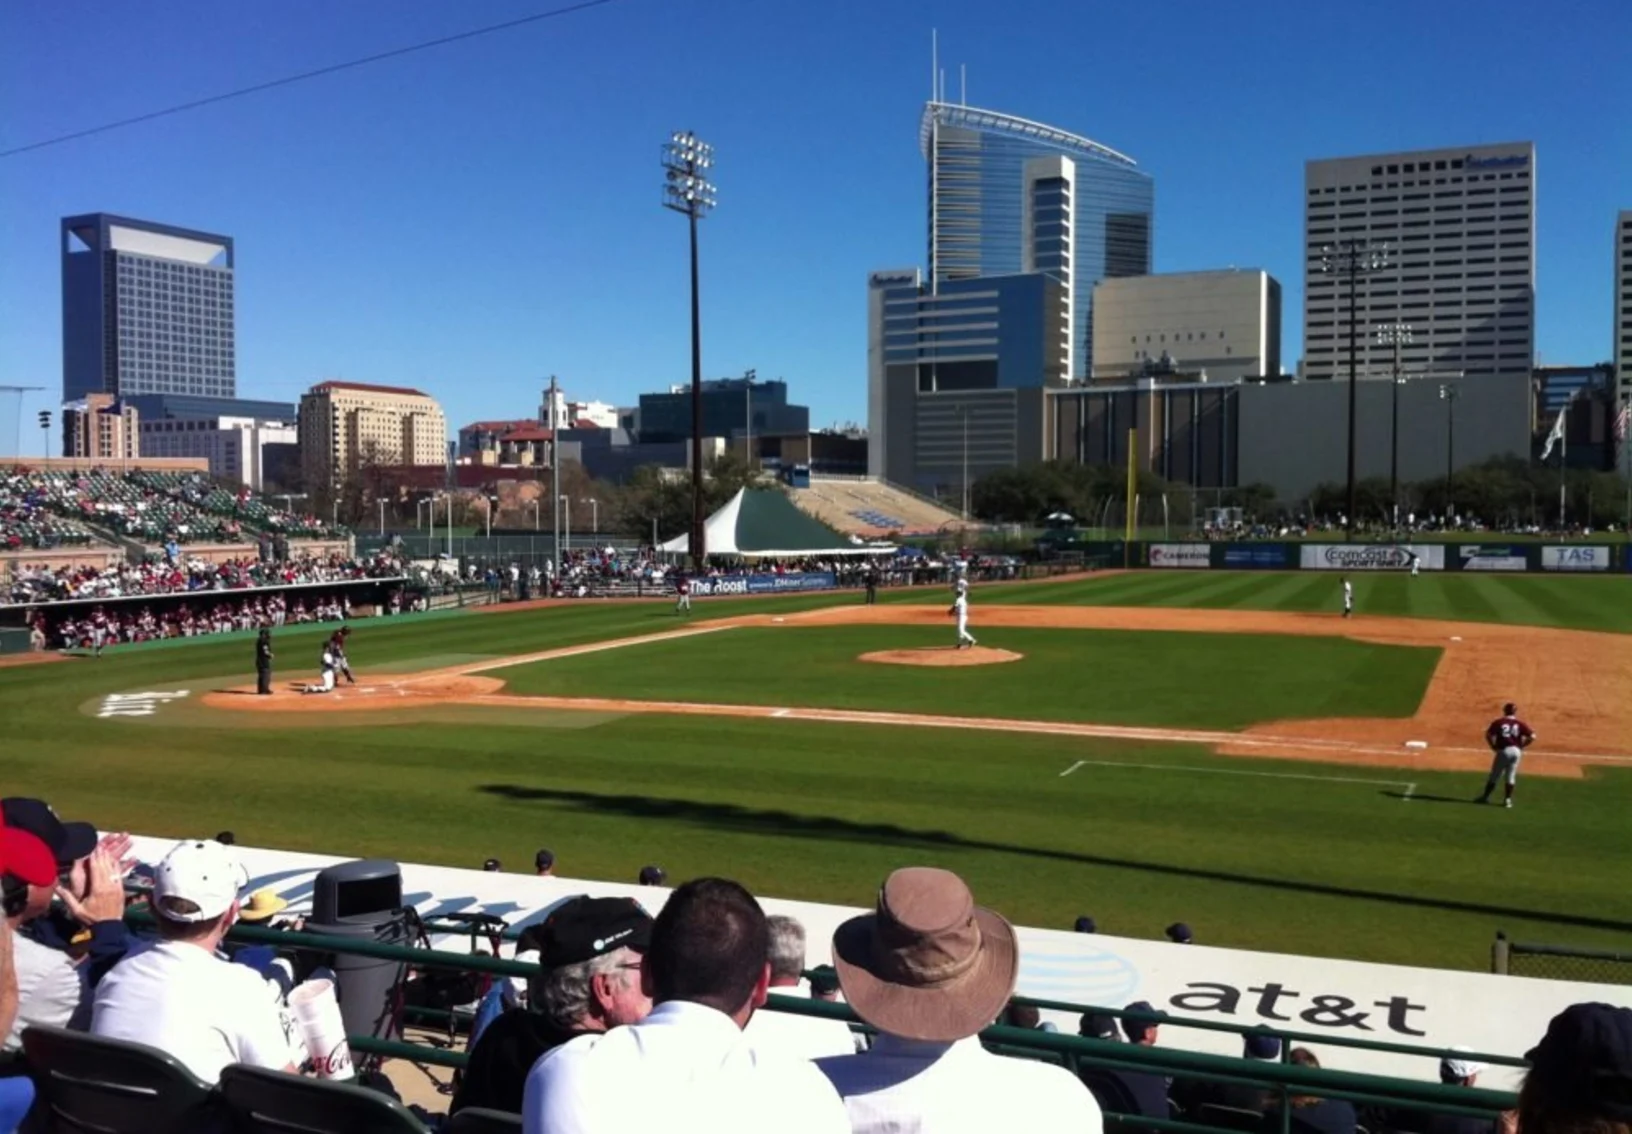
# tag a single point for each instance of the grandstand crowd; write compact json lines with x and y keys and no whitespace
{"x":184,"y":575}
{"x":629,"y":1022}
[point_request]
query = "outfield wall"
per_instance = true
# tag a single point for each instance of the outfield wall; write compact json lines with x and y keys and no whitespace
{"x":1422,"y":1007}
{"x":1366,"y":557}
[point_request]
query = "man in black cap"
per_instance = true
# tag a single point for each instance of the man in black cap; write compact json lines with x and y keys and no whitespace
{"x":653,"y":876}
{"x":51,"y":989}
{"x":1580,"y":1073}
{"x":588,"y":980}
{"x":544,"y":863}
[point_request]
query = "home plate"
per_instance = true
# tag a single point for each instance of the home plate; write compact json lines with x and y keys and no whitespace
{"x":1455,"y":638}
{"x":1416,"y":744}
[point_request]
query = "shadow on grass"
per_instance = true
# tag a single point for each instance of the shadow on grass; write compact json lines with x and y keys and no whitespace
{"x":786,"y":824}
{"x":1420,"y":797}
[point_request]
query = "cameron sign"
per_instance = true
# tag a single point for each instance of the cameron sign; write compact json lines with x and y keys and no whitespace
{"x":1181,"y":555}
{"x":1370,"y":557}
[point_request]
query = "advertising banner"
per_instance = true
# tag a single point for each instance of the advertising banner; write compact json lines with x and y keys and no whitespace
{"x":1371,"y":556}
{"x":1491,"y":557}
{"x":763,"y":584}
{"x":1255,"y":555}
{"x":1576,"y":558}
{"x":1180,"y":555}
{"x":1346,"y":999}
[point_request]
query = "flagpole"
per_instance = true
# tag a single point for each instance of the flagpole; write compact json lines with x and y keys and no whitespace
{"x":1563,"y":455}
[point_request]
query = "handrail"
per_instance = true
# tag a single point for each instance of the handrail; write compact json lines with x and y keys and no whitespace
{"x":1281,"y":1076}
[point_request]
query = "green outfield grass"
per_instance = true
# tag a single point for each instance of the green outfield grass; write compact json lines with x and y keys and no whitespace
{"x":1275,"y":855}
{"x":1118,"y":677}
{"x":1578,"y":602}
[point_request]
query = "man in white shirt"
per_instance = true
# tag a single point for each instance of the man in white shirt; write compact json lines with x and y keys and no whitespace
{"x":687,"y":1066}
{"x":784,"y":1033}
{"x":929,"y":970}
{"x":178,"y":996}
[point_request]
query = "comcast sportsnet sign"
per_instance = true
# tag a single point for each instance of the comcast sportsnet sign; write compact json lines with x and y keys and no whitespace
{"x":1371,"y":557}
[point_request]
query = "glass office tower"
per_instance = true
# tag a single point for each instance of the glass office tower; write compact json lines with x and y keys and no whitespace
{"x":1008,"y":196}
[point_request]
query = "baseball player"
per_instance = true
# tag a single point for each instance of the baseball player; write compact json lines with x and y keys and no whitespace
{"x":326,"y":682}
{"x":99,"y":630}
{"x":960,"y":611}
{"x":1416,"y":561}
{"x":1508,"y":737}
{"x":1348,"y":597}
{"x":682,"y":588}
{"x":337,"y":646}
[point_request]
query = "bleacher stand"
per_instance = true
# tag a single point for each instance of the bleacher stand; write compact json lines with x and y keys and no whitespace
{"x":871,"y":508}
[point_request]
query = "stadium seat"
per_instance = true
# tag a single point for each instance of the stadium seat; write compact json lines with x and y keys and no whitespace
{"x":259,"y":1101}
{"x":480,"y":1120}
{"x":1109,"y":1092}
{"x":1230,"y":1117}
{"x":109,"y":1086}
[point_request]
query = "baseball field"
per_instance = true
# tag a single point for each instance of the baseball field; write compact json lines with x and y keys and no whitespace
{"x":1216,"y":748}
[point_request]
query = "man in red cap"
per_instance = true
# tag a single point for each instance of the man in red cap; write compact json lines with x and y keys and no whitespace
{"x":28,"y":871}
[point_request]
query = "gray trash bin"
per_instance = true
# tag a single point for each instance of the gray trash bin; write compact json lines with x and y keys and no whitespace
{"x":363,"y":900}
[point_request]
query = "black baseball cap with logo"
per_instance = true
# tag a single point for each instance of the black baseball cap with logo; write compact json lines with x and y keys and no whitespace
{"x":68,"y":842}
{"x":583,"y":928}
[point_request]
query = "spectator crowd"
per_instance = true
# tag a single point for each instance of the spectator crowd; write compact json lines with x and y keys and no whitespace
{"x":186,"y":575}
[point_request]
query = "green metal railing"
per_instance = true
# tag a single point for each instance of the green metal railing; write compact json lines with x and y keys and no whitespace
{"x":1284,"y":1079}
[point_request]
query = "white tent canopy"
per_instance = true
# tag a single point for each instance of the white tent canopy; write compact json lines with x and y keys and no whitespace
{"x":765,"y":524}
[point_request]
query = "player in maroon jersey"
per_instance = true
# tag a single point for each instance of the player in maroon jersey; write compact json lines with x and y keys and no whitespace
{"x":1508,"y":737}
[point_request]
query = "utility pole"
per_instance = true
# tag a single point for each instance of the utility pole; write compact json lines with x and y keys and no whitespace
{"x":45,"y":433}
{"x":555,"y":484}
{"x":1353,"y":257}
{"x":1447,"y":394}
{"x":1399,"y":334}
{"x":686,"y":191}
{"x":20,"y":391}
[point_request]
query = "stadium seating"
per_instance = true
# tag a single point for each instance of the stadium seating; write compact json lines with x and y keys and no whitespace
{"x":871,"y":508}
{"x":480,"y":1120}
{"x":94,"y":1084}
{"x":258,"y":1101}
{"x":27,"y":522}
{"x":208,"y":496}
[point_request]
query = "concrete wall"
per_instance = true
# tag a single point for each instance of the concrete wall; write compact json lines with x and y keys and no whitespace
{"x":1294,"y":435}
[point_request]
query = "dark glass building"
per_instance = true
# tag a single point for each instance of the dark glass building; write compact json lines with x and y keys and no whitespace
{"x":729,"y":405}
{"x":146,"y":309}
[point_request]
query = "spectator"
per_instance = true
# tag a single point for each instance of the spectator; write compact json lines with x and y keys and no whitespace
{"x":179,"y":996}
{"x":1139,"y":1027}
{"x":1328,"y":1116}
{"x":1456,"y":1072}
{"x":688,"y":1065}
{"x":50,"y":987}
{"x":652,"y":876}
{"x":1179,"y":933}
{"x":1256,"y":1044}
{"x":1086,"y":924}
{"x":491,"y":866}
{"x":929,"y":969}
{"x":544,"y":863}
{"x":1580,"y":1077}
{"x":1100,"y":1026}
{"x":824,"y":985}
{"x":28,"y":871}
{"x":588,"y":981}
{"x":1021,"y":1016}
{"x":226,"y":838}
{"x":784,"y":1033}
{"x":1147,"y":1088}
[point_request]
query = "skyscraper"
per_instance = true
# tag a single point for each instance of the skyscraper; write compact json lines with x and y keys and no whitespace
{"x":1458,"y":229}
{"x":1623,"y":307}
{"x":1008,"y":196}
{"x":146,"y":309}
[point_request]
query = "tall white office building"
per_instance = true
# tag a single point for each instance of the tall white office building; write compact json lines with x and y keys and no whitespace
{"x":1457,"y":229}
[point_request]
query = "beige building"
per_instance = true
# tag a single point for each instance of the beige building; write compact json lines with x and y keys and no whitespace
{"x":1224,"y":324}
{"x":344,"y":424}
{"x":100,"y":427}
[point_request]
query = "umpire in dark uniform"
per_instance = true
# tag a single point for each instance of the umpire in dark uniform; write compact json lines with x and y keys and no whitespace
{"x":263,"y":662}
{"x":871,"y":579}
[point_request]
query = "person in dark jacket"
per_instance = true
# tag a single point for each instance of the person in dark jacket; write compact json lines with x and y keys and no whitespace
{"x":263,"y":663}
{"x":588,"y":980}
{"x":1329,"y":1116}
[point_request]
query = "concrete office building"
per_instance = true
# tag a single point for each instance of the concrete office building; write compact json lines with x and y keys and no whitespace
{"x":957,"y":375}
{"x":1458,"y":230}
{"x":1224,"y":324}
{"x":730,"y":405}
{"x":146,"y":309}
{"x":1008,"y":196}
{"x":1623,"y":308}
{"x":100,"y":427}
{"x":1187,"y":431}
{"x":240,"y":450}
{"x":346,"y":424}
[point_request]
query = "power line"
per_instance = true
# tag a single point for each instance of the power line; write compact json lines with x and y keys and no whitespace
{"x":287,"y":80}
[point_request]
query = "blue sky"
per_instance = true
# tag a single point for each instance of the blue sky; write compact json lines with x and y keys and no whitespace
{"x":474,"y":218}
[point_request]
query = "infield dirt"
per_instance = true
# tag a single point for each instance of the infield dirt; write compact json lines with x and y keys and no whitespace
{"x":1572,"y":685}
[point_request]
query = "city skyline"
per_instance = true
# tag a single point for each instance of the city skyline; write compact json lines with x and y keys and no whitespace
{"x":405,"y":224}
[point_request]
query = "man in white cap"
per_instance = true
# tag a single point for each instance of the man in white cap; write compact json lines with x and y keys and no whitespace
{"x":179,"y":996}
{"x":930,"y":969}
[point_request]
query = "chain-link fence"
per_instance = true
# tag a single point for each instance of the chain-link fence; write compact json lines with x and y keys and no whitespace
{"x":1560,"y":962}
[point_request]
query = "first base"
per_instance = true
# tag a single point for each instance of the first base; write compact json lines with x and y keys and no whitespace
{"x":1416,"y":744}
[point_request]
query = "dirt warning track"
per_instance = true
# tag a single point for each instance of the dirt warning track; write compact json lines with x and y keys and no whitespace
{"x":1573,"y":686}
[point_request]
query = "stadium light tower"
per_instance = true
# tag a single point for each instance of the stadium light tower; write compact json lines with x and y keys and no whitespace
{"x":1396,"y":335}
{"x":1353,"y":257}
{"x":686,"y":158}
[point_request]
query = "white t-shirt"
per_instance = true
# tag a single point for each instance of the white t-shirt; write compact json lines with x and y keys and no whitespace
{"x":49,"y":989}
{"x":798,"y":1037}
{"x":204,"y":1011}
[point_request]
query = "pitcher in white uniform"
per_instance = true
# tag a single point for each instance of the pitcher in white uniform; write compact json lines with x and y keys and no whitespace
{"x":960,"y":610}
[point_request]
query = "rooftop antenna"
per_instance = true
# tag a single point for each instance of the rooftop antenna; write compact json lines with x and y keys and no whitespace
{"x":934,"y":61}
{"x":942,"y":95}
{"x":963,"y":84}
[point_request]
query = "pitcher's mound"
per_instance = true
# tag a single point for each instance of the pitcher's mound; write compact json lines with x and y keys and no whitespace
{"x":942,"y":655}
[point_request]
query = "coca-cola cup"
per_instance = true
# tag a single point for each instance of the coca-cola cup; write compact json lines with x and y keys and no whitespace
{"x":317,"y":1013}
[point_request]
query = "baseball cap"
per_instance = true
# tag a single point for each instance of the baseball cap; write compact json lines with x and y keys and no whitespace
{"x":1099,"y":1025}
{"x":1179,"y":933}
{"x":652,"y":875}
{"x":1586,"y":1057}
{"x":1086,"y":924}
{"x":583,"y":928}
{"x":1260,"y":1045}
{"x":1145,"y":1018}
{"x":25,"y":856}
{"x":67,"y":842}
{"x":544,"y":860}
{"x":1458,"y":1068}
{"x":202,"y":872}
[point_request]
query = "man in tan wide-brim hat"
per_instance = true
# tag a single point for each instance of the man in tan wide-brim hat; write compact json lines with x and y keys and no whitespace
{"x":930,"y":969}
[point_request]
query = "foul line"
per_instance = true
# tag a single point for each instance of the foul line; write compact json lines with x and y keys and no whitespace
{"x":564,"y":652}
{"x":1410,"y":788}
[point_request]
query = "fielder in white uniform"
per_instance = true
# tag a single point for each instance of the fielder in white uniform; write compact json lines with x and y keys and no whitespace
{"x":1348,"y":598}
{"x":960,"y":610}
{"x":326,"y":684}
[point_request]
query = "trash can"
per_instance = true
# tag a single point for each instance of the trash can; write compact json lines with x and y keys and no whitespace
{"x":363,"y":900}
